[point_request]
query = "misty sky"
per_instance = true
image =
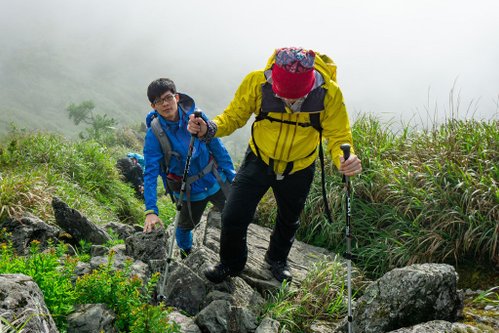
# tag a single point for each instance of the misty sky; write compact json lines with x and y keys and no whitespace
{"x":394,"y":57}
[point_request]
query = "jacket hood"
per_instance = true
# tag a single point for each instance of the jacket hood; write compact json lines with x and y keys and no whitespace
{"x":186,"y":102}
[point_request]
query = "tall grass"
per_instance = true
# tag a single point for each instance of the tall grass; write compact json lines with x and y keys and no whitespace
{"x":424,"y":196}
{"x":322,"y":296}
{"x":36,"y":167}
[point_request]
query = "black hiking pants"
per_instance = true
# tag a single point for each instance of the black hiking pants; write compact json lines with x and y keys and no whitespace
{"x":252,"y":181}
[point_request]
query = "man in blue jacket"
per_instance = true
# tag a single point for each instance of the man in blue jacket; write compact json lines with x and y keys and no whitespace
{"x":172,"y":109}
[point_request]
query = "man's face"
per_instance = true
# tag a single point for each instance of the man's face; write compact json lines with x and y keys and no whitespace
{"x":167,"y":106}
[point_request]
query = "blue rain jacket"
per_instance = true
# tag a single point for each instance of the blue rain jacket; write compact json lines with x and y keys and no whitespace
{"x":179,"y":139}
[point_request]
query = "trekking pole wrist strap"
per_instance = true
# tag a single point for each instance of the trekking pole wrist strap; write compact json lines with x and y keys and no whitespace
{"x":210,"y":132}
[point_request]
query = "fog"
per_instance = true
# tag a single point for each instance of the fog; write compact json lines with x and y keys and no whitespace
{"x":396,"y":59}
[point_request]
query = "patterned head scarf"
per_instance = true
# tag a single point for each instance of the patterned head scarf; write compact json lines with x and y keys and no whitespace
{"x":293,"y":72}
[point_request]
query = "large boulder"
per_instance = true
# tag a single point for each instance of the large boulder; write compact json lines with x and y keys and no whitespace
{"x":186,"y":324}
{"x":440,"y":326}
{"x":77,"y":225}
{"x":301,"y":258}
{"x":27,"y":229}
{"x":22,"y":305}
{"x":123,"y":231}
{"x":408,"y":296}
{"x":147,"y":246}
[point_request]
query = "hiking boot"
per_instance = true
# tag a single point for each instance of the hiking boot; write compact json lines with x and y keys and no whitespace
{"x":279,"y":269}
{"x":184,"y":253}
{"x":219,"y":273}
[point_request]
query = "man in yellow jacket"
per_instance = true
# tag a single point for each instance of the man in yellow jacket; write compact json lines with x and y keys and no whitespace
{"x":292,"y":97}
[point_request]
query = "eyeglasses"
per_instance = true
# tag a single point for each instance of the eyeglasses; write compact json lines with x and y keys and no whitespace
{"x":168,"y":98}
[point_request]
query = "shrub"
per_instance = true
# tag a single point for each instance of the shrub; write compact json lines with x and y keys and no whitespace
{"x":125,"y":294}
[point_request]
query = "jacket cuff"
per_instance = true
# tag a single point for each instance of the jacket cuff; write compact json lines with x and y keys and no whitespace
{"x":210,"y":133}
{"x":150,"y":211}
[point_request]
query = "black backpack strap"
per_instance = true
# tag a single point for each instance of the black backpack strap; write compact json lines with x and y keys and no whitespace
{"x":264,"y":115}
{"x":323,"y":178}
{"x":315,"y":121}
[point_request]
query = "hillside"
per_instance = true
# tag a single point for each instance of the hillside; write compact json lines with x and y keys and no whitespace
{"x":38,"y":84}
{"x":424,"y":197}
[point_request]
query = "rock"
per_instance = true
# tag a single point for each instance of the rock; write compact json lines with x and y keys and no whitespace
{"x":439,"y":326}
{"x":137,"y":267}
{"x":268,"y":325}
{"x":147,"y":246}
{"x":27,"y":229}
{"x":408,"y":296}
{"x":98,"y":251}
{"x":187,"y":324}
{"x":123,"y":231}
{"x":77,"y":225}
{"x":22,"y":304}
{"x":91,"y":318}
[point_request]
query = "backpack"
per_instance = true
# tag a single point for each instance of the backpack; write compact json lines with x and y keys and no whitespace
{"x":132,"y":174}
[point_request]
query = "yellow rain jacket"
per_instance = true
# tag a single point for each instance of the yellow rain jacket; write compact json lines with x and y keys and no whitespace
{"x":285,"y":142}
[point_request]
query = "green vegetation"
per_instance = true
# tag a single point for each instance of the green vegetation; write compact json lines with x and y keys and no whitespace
{"x":55,"y":283}
{"x":99,"y":124}
{"x":120,"y":290}
{"x":36,"y":167}
{"x":424,"y":196}
{"x":123,"y":292}
{"x":321,"y":297}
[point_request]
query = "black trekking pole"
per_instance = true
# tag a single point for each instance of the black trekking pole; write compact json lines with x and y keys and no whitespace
{"x":169,"y":259}
{"x":348,"y":254}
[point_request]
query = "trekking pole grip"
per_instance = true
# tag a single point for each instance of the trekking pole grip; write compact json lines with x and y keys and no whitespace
{"x":197,"y":114}
{"x":346,"y":154}
{"x":346,"y":150}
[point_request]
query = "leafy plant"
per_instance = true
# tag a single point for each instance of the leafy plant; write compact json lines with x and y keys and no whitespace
{"x":99,"y":124}
{"x":46,"y":270}
{"x":125,"y":294}
{"x":152,"y":319}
